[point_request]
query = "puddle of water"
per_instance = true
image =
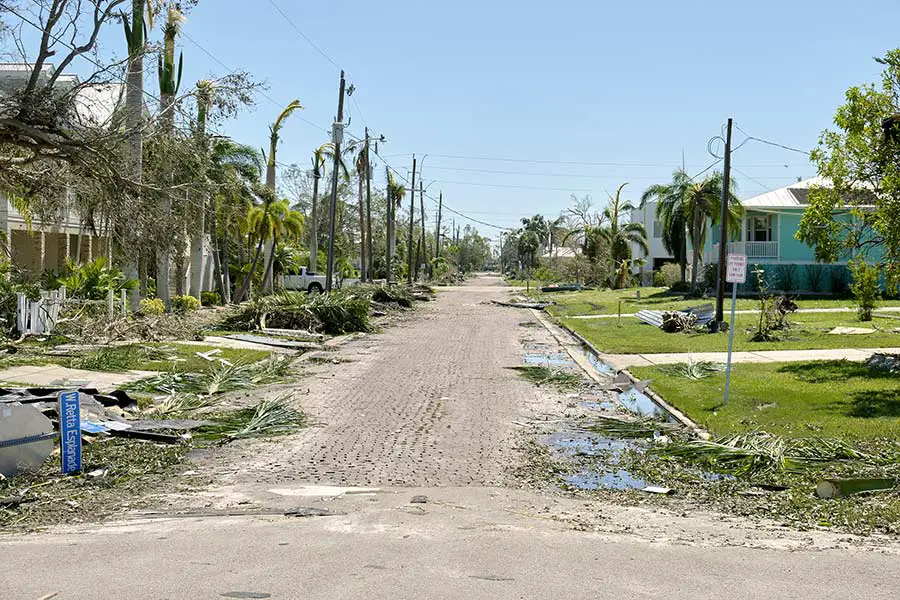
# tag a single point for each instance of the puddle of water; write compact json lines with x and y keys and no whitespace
{"x":616,"y":480}
{"x":641,"y":404}
{"x":601,"y":367}
{"x":552,"y":359}
{"x":586,"y":444}
{"x":597,"y":405}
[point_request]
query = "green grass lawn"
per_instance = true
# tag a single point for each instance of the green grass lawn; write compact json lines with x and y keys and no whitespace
{"x":809,"y":330}
{"x":161,"y":357}
{"x":145,"y":357}
{"x":606,"y":302}
{"x":828,"y":398}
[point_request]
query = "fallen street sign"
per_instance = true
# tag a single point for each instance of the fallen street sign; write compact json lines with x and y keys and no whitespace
{"x":70,"y":432}
{"x":737,"y":268}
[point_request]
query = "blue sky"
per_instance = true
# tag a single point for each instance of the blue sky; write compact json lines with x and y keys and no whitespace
{"x":626,"y":85}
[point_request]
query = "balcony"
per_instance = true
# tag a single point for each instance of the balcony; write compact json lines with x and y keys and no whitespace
{"x":753,"y":250}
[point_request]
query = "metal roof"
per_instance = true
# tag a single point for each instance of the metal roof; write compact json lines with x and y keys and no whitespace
{"x":794,"y":195}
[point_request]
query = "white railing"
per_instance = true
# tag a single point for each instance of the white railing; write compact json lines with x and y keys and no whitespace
{"x":751,"y":249}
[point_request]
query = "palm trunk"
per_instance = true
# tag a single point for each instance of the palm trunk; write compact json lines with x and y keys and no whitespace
{"x":695,"y":262}
{"x":268,"y":277}
{"x":243,"y":292}
{"x":362,"y":232}
{"x":369,"y":250}
{"x":214,"y":251}
{"x":199,"y":229}
{"x":163,"y":250}
{"x":682,"y":257}
{"x":134,"y":106}
{"x":314,"y":235}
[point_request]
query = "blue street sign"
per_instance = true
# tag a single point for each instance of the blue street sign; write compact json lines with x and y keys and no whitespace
{"x":70,"y":432}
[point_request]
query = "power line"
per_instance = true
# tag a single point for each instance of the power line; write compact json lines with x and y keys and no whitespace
{"x":303,"y":35}
{"x":233,"y":71}
{"x":575,"y":163}
{"x":770,"y":143}
{"x":517,"y":187}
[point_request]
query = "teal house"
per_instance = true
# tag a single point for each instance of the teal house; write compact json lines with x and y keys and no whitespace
{"x":767,"y":239}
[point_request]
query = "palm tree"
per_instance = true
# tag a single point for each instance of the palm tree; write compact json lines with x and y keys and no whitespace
{"x":136,"y":39}
{"x":362,"y":165}
{"x":619,"y":236}
{"x":169,"y":82}
{"x":670,"y":213}
{"x":233,"y":170}
{"x":703,"y":204}
{"x":204,"y":94}
{"x":395,"y":193}
{"x":274,"y":131}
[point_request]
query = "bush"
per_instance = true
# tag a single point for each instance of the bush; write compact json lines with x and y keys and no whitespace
{"x":865,"y":287}
{"x":680,"y":287}
{"x":210,"y":299}
{"x":183,"y":304}
{"x":93,"y":280}
{"x":546,"y":275}
{"x":814,"y":276}
{"x":667,"y":275}
{"x":787,"y":277}
{"x":710,"y":276}
{"x":152,"y":306}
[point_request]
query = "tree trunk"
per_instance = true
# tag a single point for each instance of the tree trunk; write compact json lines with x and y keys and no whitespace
{"x":226,"y":266}
{"x":134,"y":106}
{"x":362,"y":231}
{"x":214,"y":252}
{"x":682,"y":257}
{"x":243,"y":292}
{"x":268,"y":271}
{"x":696,"y":251}
{"x":370,"y":252}
{"x":314,"y":235}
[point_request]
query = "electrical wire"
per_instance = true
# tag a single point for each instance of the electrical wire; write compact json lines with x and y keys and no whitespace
{"x":770,"y":143}
{"x":303,"y":35}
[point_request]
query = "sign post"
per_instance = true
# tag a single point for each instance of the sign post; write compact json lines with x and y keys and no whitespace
{"x":736,"y":273}
{"x":70,"y":432}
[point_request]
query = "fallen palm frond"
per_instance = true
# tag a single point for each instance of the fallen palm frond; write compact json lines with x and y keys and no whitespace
{"x":546,"y":375}
{"x":401,"y":295}
{"x":176,"y":403}
{"x":761,"y":453}
{"x":695,"y":369}
{"x":120,"y":358}
{"x":218,"y":378}
{"x":270,"y":417}
{"x":333,"y":313}
{"x":631,"y":429}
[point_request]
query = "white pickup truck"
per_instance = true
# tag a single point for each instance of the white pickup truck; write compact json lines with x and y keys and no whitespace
{"x":305,"y":281}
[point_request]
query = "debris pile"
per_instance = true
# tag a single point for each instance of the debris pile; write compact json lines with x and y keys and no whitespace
{"x":676,"y":321}
{"x":889,"y":363}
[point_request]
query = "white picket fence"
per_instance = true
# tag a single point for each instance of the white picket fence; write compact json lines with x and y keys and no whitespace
{"x":36,"y":317}
{"x":39,"y":316}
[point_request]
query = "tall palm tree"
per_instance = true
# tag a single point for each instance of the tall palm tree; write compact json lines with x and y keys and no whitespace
{"x":204,"y":94}
{"x":274,"y":131}
{"x":362,"y":165}
{"x":136,"y":39}
{"x":670,"y":213}
{"x":320,"y":156}
{"x":395,"y":193}
{"x":169,"y":83}
{"x":619,"y":236}
{"x":702,"y":205}
{"x":233,"y":169}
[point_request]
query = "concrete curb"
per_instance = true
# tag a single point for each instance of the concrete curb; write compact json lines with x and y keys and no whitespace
{"x":676,"y":413}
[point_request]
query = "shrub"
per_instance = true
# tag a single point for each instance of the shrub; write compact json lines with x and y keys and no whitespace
{"x":865,"y":287}
{"x":152,"y":306}
{"x":93,"y":280}
{"x":545,"y":275}
{"x":667,"y":275}
{"x":183,"y":304}
{"x":710,"y":276}
{"x":680,"y":287}
{"x":814,"y":276}
{"x":787,"y":277}
{"x":210,"y":298}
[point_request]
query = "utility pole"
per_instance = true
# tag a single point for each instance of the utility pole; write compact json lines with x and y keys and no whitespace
{"x":337,"y":132}
{"x":437,"y":231}
{"x":389,"y":250}
{"x":371,"y":269}
{"x":422,"y":239}
{"x":723,"y":236}
{"x":412,"y":214}
{"x":314,"y":237}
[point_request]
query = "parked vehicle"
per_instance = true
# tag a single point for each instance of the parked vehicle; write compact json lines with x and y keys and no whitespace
{"x":305,"y":281}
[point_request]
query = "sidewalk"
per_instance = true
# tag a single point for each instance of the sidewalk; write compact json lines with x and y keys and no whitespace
{"x":623,"y":361}
{"x":747,"y":312}
{"x":49,"y":375}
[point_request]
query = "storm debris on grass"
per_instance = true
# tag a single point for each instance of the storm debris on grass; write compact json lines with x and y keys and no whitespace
{"x":271,"y":417}
{"x":695,"y":369}
{"x":217,"y":378}
{"x":549,"y":376}
{"x":888,"y":363}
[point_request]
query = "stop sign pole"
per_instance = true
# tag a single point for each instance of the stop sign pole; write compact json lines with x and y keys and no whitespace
{"x":736,"y":273}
